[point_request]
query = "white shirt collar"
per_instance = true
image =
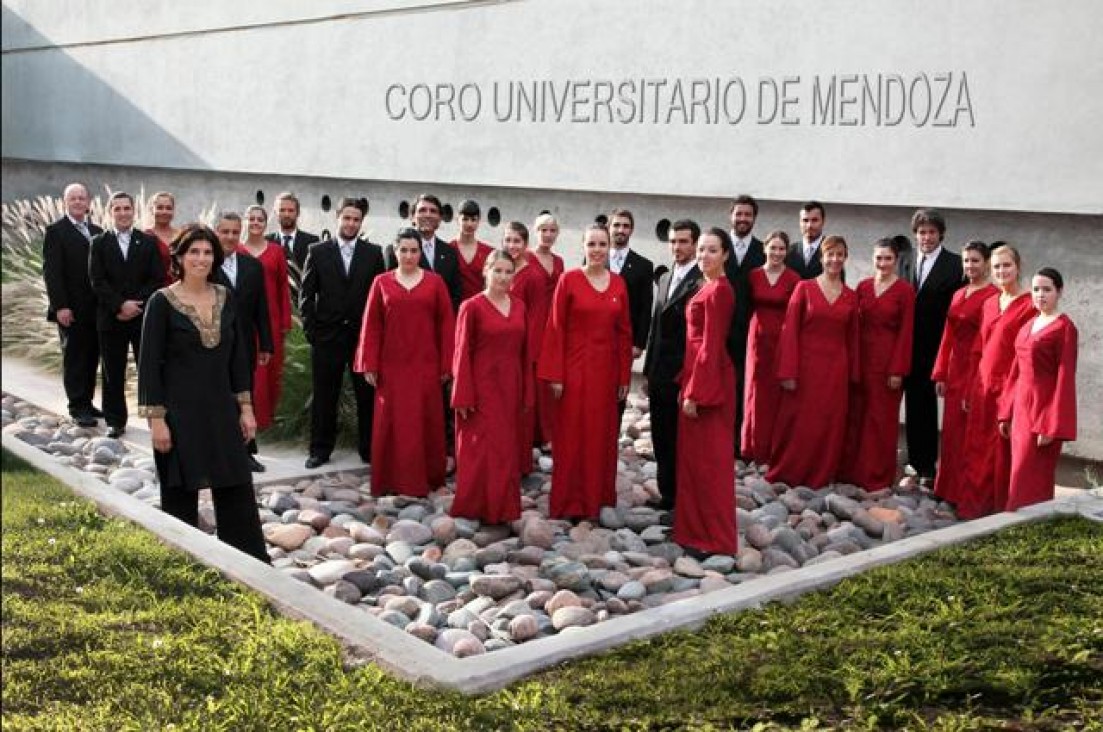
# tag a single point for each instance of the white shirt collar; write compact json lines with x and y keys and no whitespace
{"x":681,"y":270}
{"x":743,"y":243}
{"x":932,"y":256}
{"x":76,"y":223}
{"x":814,"y":243}
{"x":230,"y":259}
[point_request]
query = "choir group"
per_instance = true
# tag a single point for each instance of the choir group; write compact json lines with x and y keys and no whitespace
{"x":752,"y":349}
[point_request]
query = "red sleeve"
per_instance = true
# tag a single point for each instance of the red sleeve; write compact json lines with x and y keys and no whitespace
{"x":788,"y":345}
{"x":901,"y":363}
{"x":283,"y":289}
{"x":463,"y":385}
{"x":941,"y":369}
{"x":1058,"y":419}
{"x":528,"y":393}
{"x":705,"y":384}
{"x":551,"y":364}
{"x":624,"y":336}
{"x":371,"y":332}
{"x":1005,"y":403}
{"x":446,"y":322}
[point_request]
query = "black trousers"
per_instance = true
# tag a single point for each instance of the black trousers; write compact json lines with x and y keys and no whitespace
{"x":235,"y":511}
{"x":329,"y":361}
{"x":738,"y":409}
{"x":80,"y":358}
{"x":664,"y":437}
{"x":921,"y":424}
{"x":114,"y":346}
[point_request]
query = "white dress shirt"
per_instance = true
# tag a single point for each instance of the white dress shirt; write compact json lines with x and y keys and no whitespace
{"x":740,"y":247}
{"x":347,"y":249}
{"x":229,"y":266}
{"x":925,"y":263}
{"x":811,"y":247}
{"x":82,"y":226}
{"x":616,"y":259}
{"x":677,"y":275}
{"x":429,"y":248}
{"x":124,"y":241}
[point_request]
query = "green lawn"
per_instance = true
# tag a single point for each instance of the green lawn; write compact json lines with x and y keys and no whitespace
{"x":104,"y":628}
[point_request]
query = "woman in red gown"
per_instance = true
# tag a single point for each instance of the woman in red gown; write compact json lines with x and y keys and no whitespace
{"x":1038,"y":412}
{"x":771,"y":286}
{"x":527,"y":286}
{"x":405,"y":352}
{"x":490,"y":394}
{"x":587,"y":357}
{"x":886,"y":311}
{"x":817,"y":360}
{"x":471,"y":253}
{"x":955,"y":369}
{"x":549,"y":271}
{"x":162,"y":209}
{"x":268,"y":377}
{"x":705,"y":520}
{"x":988,"y":472}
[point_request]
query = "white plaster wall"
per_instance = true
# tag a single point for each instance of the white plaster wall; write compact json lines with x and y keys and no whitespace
{"x":300,"y":89}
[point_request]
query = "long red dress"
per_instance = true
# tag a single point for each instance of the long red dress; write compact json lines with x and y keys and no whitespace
{"x":527,"y":287}
{"x":956,"y":368}
{"x":166,"y":256}
{"x":705,"y":519}
{"x":406,"y":339}
{"x":587,"y":348}
{"x":539,"y":309}
{"x":762,"y":392}
{"x":988,"y":470}
{"x":1040,"y":400}
{"x":471,"y":273}
{"x":819,"y":348}
{"x":873,"y":429}
{"x":491,"y":372}
{"x":268,"y":379}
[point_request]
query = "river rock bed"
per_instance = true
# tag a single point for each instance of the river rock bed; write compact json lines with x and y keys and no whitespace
{"x":469,"y":588}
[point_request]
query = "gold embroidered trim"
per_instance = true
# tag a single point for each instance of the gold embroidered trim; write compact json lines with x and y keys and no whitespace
{"x":152,"y":411}
{"x":244,"y":397}
{"x":210,"y":335}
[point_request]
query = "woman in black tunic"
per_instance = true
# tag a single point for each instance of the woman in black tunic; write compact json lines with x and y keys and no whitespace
{"x":193,"y":387}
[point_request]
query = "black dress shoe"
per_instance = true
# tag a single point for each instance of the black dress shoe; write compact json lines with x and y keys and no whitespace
{"x":95,"y":413}
{"x":84,"y":420}
{"x":115,"y":432}
{"x":256,"y":465}
{"x":315,"y":461}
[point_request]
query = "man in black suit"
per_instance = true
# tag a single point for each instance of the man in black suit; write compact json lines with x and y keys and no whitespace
{"x":804,"y":255}
{"x":72,"y":303}
{"x":125,"y":268}
{"x":938,"y":275}
{"x":747,"y":254}
{"x":639,"y":279}
{"x":436,"y":254}
{"x":339,"y":273}
{"x":244,"y":276}
{"x":294,"y":242}
{"x":666,"y":351}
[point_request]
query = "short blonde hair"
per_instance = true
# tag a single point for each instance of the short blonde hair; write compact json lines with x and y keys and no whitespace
{"x":543,"y":220}
{"x":834,"y":242}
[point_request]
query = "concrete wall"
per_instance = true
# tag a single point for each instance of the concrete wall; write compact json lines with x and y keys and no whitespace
{"x":217,"y":101}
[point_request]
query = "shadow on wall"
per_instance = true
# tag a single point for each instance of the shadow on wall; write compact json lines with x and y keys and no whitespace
{"x":50,"y":84}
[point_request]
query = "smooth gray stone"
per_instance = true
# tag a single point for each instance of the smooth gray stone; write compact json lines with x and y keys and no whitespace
{"x":395,"y":618}
{"x":365,"y":580}
{"x":721,"y":563}
{"x":626,"y":540}
{"x":842,"y":506}
{"x":668,"y":551}
{"x":632,"y":590}
{"x":437,"y":591}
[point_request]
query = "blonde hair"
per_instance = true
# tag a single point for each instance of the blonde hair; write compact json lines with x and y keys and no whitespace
{"x":834,"y":242}
{"x":543,"y":220}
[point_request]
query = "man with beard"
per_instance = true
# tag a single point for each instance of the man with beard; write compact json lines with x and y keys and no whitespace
{"x":804,"y":255}
{"x":294,"y":242}
{"x":436,"y":254}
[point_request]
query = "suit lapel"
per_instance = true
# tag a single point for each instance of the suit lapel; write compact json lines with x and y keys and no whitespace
{"x":357,"y":260}
{"x":684,"y":288}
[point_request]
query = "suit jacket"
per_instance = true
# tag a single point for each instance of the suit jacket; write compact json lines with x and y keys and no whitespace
{"x":932,"y":302}
{"x":332,"y":302}
{"x":251,"y":305}
{"x":639,"y":278}
{"x":794,"y":260}
{"x":741,"y":319}
{"x":666,"y":339}
{"x":300,"y":246}
{"x":115,"y":280}
{"x":65,"y":269}
{"x":445,"y":263}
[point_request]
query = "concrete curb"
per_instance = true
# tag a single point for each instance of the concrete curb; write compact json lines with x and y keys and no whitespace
{"x":418,"y":662}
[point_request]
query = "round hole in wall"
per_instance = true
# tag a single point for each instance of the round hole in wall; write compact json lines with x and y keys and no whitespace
{"x":660,"y":271}
{"x":662,"y":229}
{"x":493,"y":216}
{"x":326,"y":203}
{"x":326,"y":234}
{"x":446,"y":213}
{"x":260,"y":197}
{"x":601,"y":219}
{"x":404,"y":210}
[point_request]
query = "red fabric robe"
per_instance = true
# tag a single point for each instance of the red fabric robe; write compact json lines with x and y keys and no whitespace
{"x":166,"y":256}
{"x":988,"y":471}
{"x":873,"y":429}
{"x":406,"y":338}
{"x":705,"y":519}
{"x":527,"y":288}
{"x":587,"y":348}
{"x":956,"y":368}
{"x":762,"y":392}
{"x":491,"y":371}
{"x":819,"y":348}
{"x":471,"y":273}
{"x":268,"y":379}
{"x":1040,"y":399}
{"x":539,"y":309}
